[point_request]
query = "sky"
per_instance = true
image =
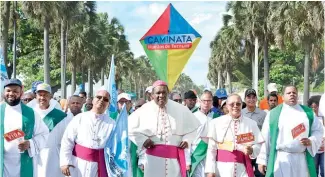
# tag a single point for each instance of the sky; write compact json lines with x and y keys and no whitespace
{"x":138,"y":17}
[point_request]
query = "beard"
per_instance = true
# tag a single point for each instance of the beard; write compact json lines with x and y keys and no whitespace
{"x":13,"y":102}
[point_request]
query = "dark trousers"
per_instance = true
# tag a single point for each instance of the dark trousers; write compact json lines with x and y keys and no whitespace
{"x":255,"y":166}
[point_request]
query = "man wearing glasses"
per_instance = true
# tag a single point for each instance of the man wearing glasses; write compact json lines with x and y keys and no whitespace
{"x":190,"y":101}
{"x":27,"y":97}
{"x":87,"y":134}
{"x":199,"y":145}
{"x":176,"y":97}
{"x":233,"y":140}
{"x":122,"y":99}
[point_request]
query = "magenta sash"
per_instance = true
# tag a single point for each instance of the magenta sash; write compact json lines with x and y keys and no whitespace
{"x":170,"y":152}
{"x":92,"y":155}
{"x":236,"y":156}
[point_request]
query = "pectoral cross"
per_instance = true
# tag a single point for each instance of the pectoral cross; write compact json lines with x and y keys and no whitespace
{"x":97,"y":140}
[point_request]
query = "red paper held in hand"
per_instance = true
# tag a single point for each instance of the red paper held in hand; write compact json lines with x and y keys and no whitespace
{"x":245,"y":138}
{"x":299,"y":129}
{"x":15,"y":134}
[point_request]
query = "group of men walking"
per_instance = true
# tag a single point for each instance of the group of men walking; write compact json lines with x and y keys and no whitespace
{"x":206,"y":137}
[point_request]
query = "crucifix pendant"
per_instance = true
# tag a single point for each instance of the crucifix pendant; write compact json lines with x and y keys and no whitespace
{"x":97,"y":140}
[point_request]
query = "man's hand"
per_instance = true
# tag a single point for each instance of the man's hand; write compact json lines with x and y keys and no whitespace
{"x":23,"y":145}
{"x":141,"y":167}
{"x":183,"y":145}
{"x":65,"y":170}
{"x":305,"y":142}
{"x":148,"y":144}
{"x":262,"y":169}
{"x":248,"y":150}
{"x":211,"y":175}
{"x":188,"y":167}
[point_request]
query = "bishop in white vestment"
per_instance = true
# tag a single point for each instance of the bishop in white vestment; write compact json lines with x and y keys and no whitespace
{"x":18,"y":155}
{"x":233,"y":141}
{"x":165,"y":128}
{"x":294,"y":141}
{"x":82,"y":153}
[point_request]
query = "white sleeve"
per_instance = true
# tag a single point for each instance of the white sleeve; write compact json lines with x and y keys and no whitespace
{"x":210,"y":163}
{"x":133,"y":126}
{"x":321,"y":108}
{"x":263,"y":156}
{"x":317,"y":131}
{"x":68,"y":141}
{"x":40,"y":136}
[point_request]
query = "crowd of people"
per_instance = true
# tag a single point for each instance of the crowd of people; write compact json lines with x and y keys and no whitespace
{"x":170,"y":134}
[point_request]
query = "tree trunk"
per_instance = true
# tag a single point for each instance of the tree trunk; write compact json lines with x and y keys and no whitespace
{"x":90,"y":83}
{"x":5,"y":14}
{"x":47,"y":52}
{"x":253,"y":71}
{"x":306,"y":76}
{"x":73,"y":77}
{"x":219,"y":80}
{"x":63,"y":64}
{"x":256,"y":67}
{"x":229,"y":81}
{"x":14,"y":72}
{"x":102,"y":76}
{"x":83,"y":78}
{"x":266,"y":65}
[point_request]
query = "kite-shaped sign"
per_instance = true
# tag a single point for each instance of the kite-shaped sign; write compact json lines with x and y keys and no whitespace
{"x":169,"y":44}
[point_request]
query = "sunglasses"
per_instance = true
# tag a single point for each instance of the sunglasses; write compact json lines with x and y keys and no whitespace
{"x":102,"y":97}
{"x":27,"y":99}
{"x":178,"y":100}
{"x":236,"y":103}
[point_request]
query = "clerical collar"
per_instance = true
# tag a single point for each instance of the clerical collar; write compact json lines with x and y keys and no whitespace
{"x":97,"y":116}
{"x":207,"y":112}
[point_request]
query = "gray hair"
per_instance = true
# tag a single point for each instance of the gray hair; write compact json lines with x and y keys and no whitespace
{"x":234,"y":95}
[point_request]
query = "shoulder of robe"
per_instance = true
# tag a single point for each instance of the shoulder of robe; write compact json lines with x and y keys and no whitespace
{"x":59,"y":113}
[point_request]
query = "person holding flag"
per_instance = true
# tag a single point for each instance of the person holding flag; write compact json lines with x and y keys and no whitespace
{"x":117,"y":148}
{"x":165,"y":128}
{"x":83,"y":142}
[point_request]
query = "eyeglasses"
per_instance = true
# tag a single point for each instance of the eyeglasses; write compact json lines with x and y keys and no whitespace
{"x":207,"y":101}
{"x":102,"y":97}
{"x":178,"y":100}
{"x":138,"y":106}
{"x":27,"y":99}
{"x":236,"y":103}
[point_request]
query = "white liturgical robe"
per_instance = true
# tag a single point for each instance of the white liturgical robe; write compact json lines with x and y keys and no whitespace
{"x":48,"y":158}
{"x":290,"y":157}
{"x":89,"y":130}
{"x":168,"y":126}
{"x":13,"y":121}
{"x":222,"y":135}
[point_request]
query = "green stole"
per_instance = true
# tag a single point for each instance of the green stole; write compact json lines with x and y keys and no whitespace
{"x":274,"y":131}
{"x":195,"y":109}
{"x":28,"y":122}
{"x":200,"y":151}
{"x":136,"y":171}
{"x":53,"y":118}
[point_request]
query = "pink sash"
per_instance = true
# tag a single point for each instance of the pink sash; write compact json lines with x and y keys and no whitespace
{"x":92,"y":155}
{"x":236,"y":156}
{"x":170,"y":152}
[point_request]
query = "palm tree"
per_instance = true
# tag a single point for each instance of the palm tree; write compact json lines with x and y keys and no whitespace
{"x":302,"y":23}
{"x":45,"y":12}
